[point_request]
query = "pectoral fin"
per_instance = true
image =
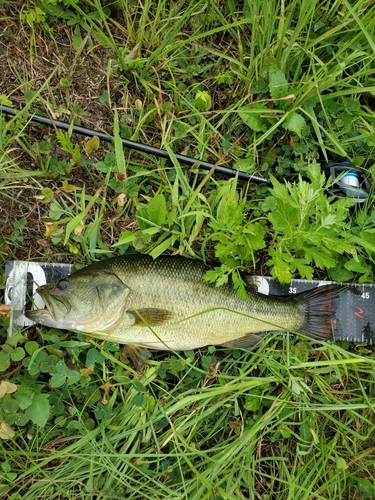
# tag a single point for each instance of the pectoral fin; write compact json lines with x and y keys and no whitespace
{"x":150,"y":316}
{"x":138,"y":355}
{"x":248,"y":342}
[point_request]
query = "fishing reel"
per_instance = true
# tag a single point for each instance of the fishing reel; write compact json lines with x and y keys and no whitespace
{"x":347,"y":181}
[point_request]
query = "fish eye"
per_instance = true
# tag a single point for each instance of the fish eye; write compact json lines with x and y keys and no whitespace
{"x":63,"y":284}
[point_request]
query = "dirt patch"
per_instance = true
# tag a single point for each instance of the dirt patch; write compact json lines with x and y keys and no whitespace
{"x":73,"y":83}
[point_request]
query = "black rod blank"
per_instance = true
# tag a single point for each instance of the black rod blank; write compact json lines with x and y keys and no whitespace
{"x":137,"y":146}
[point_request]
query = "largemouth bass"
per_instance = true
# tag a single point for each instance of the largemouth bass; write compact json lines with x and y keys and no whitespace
{"x":166,"y":304}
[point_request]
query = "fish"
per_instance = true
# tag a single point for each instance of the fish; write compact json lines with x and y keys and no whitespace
{"x":165,"y":304}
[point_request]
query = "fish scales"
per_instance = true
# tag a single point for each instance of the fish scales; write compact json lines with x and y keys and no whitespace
{"x":202,"y":314}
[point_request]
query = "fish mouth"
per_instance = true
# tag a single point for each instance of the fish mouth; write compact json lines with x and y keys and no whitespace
{"x":38,"y":315}
{"x":50,"y":301}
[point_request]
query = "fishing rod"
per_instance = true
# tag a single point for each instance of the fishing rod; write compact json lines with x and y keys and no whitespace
{"x":348,"y":180}
{"x":138,"y":146}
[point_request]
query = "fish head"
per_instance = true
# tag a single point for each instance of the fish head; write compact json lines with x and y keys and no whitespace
{"x":87,"y":302}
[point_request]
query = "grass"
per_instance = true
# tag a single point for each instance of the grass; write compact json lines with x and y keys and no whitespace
{"x":269,"y":88}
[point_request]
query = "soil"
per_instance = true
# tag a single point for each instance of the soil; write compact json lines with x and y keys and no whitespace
{"x":27,"y":65}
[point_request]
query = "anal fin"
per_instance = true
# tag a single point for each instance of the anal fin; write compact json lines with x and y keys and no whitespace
{"x":138,"y":355}
{"x":249,"y":341}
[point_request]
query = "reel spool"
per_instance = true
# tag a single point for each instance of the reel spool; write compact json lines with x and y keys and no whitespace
{"x":348,"y":181}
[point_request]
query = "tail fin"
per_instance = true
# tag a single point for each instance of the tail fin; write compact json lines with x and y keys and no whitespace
{"x":318,"y":307}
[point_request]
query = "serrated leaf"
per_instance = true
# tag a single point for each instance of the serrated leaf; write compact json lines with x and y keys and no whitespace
{"x":294,"y":122}
{"x":251,"y":116}
{"x":211,"y":275}
{"x":281,"y":269}
{"x":239,"y":286}
{"x":256,"y":234}
{"x":304,"y":270}
{"x":39,"y":410}
{"x":322,"y":259}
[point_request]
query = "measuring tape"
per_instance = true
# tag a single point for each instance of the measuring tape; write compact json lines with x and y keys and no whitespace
{"x":23,"y":279}
{"x":355,"y":313}
{"x":355,"y":309}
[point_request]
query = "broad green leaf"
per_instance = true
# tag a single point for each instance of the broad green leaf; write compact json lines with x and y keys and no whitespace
{"x":72,"y":377}
{"x":7,"y":388}
{"x":39,"y":410}
{"x":203,"y":101}
{"x":74,"y":222}
{"x":269,"y":204}
{"x":4,"y":100}
{"x":356,"y":265}
{"x":252,"y":402}
{"x":363,"y":242}
{"x":251,"y":116}
{"x":61,"y":367}
{"x":24,"y":396}
{"x":294,"y":122}
{"x":31,"y":347}
{"x":18,"y":354}
{"x":340,"y":274}
{"x":77,"y":38}
{"x":278,"y":84}
{"x":157,"y":210}
{"x":4,"y":360}
{"x":92,"y":145}
{"x":58,"y":380}
{"x":6,"y":432}
{"x":94,"y":356}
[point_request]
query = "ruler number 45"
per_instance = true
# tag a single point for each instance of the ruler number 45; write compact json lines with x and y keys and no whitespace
{"x":365,"y":295}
